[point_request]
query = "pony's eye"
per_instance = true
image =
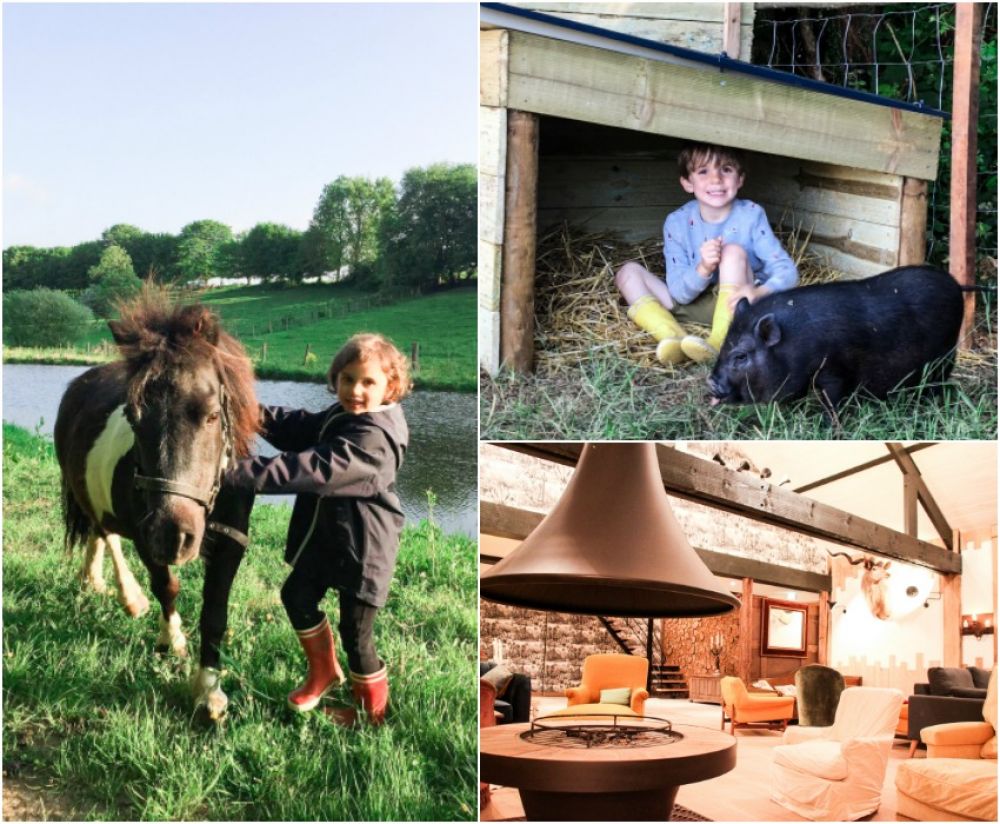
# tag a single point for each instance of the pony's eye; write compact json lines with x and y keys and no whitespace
{"x":212,"y":418}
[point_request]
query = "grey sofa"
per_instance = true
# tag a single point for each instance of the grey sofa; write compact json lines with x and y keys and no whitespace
{"x":950,"y":694}
{"x":514,"y":703}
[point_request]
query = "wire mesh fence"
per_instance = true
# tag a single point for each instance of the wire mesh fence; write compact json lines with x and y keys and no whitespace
{"x":904,"y":52}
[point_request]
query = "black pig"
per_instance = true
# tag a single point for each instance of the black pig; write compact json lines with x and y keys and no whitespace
{"x":875,"y":334}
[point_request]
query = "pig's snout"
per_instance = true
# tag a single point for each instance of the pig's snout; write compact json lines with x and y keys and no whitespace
{"x":718,"y":387}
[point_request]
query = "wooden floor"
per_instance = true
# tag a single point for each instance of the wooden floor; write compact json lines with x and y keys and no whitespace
{"x":739,"y":795}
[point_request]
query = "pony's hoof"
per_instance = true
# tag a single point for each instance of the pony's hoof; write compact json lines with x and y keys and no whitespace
{"x":137,"y":607}
{"x":95,"y":585}
{"x":208,"y":695}
{"x":216,"y":705}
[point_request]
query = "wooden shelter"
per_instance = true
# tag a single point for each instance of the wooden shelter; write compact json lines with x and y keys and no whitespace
{"x":582,"y":123}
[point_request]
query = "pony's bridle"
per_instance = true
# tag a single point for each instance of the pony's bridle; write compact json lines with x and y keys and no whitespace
{"x":201,"y":496}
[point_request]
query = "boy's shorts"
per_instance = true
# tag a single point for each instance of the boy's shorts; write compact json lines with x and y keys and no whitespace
{"x":700,"y":310}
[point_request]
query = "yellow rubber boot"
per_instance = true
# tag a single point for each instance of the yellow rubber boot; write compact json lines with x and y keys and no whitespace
{"x":702,"y":350}
{"x":648,"y":314}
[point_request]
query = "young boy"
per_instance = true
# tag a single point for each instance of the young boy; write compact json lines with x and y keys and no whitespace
{"x":714,"y":239}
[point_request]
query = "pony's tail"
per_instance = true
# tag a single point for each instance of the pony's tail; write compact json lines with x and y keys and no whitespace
{"x":75,"y":520}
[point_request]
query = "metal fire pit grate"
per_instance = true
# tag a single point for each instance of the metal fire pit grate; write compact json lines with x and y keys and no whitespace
{"x":616,"y":731}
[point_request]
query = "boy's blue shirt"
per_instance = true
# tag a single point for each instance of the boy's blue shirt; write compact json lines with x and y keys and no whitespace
{"x":684,"y":232}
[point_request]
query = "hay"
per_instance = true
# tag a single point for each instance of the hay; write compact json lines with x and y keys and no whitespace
{"x":579,"y":313}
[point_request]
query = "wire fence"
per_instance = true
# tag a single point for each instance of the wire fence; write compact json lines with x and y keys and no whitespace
{"x":904,"y":52}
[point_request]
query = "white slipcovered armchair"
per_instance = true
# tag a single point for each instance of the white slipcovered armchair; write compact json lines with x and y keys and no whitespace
{"x":836,"y":773}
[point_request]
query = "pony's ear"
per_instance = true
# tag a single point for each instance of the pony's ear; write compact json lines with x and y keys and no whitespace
{"x":123,"y":333}
{"x":207,"y":328}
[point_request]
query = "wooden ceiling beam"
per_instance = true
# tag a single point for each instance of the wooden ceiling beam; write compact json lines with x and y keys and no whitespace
{"x":707,"y":483}
{"x":910,"y":472}
{"x":854,"y":470}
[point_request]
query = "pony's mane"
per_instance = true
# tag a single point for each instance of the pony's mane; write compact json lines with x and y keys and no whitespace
{"x":157,"y":336}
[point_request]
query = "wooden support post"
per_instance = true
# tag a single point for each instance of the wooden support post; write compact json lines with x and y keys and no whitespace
{"x":517,"y":290}
{"x":913,"y":223}
{"x":263,"y":352}
{"x":964,"y":114}
{"x":305,"y":357}
{"x":993,"y":573}
{"x":951,"y":607}
{"x":823,"y":634}
{"x":731,"y":15}
{"x":744,"y":655}
{"x":649,"y":654}
{"x":415,"y":355}
{"x":910,"y":505}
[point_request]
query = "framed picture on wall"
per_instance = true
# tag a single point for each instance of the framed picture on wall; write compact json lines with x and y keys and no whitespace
{"x":783,"y":628}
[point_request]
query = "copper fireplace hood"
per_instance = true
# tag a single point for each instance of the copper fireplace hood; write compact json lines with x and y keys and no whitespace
{"x":610,"y":546}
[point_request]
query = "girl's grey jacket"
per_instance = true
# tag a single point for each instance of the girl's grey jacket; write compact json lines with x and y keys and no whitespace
{"x":343,"y":469}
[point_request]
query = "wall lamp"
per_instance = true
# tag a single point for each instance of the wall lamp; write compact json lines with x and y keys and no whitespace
{"x":977,"y":625}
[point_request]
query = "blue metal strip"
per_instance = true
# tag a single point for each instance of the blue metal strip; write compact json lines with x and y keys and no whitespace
{"x":721,"y":61}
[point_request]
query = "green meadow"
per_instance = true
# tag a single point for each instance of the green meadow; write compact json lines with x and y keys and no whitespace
{"x":277,"y":324}
{"x":94,"y":718}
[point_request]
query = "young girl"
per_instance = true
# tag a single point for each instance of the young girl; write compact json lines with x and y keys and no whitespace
{"x":344,"y":532}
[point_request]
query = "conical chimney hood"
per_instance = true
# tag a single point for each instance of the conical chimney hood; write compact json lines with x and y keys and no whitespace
{"x":610,"y":546}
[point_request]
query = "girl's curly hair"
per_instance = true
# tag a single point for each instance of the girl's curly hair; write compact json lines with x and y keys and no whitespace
{"x":365,"y":346}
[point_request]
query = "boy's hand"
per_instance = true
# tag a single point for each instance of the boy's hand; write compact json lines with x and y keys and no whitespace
{"x":711,"y":254}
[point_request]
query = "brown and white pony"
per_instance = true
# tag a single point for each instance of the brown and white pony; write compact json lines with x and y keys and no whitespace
{"x":142,"y":444}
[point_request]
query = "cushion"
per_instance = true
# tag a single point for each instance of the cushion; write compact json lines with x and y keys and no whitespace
{"x":980,"y":677}
{"x":499,"y":677}
{"x":965,"y":786}
{"x":762,"y":684}
{"x":823,"y":759}
{"x":619,"y":696}
{"x":968,"y":692}
{"x":990,"y":717}
{"x":945,"y":679}
{"x":787,"y":690}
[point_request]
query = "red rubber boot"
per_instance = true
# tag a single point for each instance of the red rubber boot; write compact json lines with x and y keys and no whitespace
{"x":371,"y":693}
{"x":324,"y":670}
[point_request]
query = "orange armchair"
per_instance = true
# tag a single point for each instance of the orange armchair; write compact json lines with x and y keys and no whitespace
{"x":606,"y":672}
{"x":745,"y":709}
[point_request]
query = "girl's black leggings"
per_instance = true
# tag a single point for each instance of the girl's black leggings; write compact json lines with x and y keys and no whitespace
{"x":302,"y":593}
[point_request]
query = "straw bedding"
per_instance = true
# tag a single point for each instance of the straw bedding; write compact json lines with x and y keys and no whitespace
{"x":578,"y":312}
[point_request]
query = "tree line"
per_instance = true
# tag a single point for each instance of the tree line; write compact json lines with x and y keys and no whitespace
{"x":370,"y":232}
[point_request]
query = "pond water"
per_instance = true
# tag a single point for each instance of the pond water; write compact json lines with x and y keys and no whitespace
{"x":441,"y":456}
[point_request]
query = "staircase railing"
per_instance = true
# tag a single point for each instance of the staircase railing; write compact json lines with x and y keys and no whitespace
{"x":638,"y":636}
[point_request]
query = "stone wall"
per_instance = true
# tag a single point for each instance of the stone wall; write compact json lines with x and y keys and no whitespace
{"x":548,"y":646}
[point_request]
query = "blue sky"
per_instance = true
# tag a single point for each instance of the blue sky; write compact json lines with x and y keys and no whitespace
{"x":158,"y":115}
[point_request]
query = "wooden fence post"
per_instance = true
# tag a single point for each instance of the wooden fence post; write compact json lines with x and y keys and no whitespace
{"x":263,"y":352}
{"x":517,"y":289}
{"x":964,"y":114}
{"x":913,"y":223}
{"x":305,"y":357}
{"x":415,"y":355}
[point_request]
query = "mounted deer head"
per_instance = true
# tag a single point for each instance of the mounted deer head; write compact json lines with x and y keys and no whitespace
{"x":873,"y":583}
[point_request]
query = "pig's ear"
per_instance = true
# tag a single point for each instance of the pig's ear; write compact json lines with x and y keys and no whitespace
{"x":767,"y":330}
{"x":741,"y":307}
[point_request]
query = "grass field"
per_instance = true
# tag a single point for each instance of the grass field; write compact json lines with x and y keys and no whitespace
{"x":324,"y":316}
{"x":608,"y":398}
{"x":99,"y":721}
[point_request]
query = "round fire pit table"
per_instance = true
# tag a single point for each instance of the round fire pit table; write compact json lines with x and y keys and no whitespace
{"x":586,"y":778}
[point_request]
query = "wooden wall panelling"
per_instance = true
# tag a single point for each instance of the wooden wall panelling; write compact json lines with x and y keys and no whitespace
{"x":697,"y":26}
{"x":598,"y":86}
